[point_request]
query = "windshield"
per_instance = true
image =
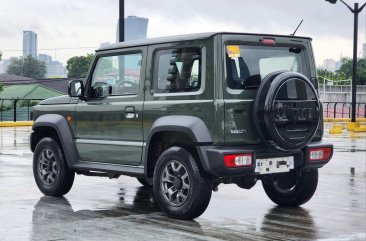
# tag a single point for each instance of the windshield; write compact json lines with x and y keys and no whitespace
{"x":246,"y":66}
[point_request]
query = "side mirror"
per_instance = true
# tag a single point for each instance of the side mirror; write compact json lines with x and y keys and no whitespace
{"x":76,"y":88}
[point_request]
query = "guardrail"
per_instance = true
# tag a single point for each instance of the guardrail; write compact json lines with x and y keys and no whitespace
{"x":17,"y":109}
{"x":343,"y":110}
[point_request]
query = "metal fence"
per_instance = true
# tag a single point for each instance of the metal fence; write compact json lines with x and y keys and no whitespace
{"x":21,"y":109}
{"x":343,"y":110}
{"x":17,"y":109}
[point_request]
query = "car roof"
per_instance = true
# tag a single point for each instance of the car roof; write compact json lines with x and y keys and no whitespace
{"x":185,"y":37}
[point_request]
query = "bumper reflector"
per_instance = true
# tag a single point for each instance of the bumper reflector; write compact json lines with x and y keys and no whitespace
{"x":320,"y":154}
{"x":238,"y":160}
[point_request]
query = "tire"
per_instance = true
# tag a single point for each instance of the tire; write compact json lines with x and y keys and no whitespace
{"x":147,"y":182}
{"x":177,"y":170}
{"x":292,"y":189}
{"x":51,"y":173}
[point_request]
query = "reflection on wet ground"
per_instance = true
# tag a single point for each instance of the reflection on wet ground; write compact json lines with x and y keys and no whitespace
{"x":53,"y":210}
{"x":13,"y":139}
{"x":99,"y":208}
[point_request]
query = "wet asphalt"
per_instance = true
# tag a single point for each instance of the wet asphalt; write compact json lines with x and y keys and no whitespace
{"x":121,"y":209}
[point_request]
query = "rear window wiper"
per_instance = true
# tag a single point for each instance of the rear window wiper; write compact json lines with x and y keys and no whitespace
{"x":295,"y":50}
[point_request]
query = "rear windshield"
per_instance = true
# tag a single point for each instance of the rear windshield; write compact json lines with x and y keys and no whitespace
{"x":246,"y":66}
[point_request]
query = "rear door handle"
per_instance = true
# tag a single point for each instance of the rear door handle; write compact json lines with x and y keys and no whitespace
{"x":130,"y":112}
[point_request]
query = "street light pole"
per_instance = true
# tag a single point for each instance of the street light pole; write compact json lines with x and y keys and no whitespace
{"x":121,"y":21}
{"x":354,"y":69}
{"x":356,"y":10}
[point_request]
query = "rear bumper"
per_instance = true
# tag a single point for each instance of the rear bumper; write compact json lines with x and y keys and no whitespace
{"x":212,"y":158}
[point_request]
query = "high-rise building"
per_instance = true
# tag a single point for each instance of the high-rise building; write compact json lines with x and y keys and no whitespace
{"x":135,"y":28}
{"x":30,"y":44}
{"x":55,"y":69}
{"x":364,"y":50}
{"x":45,"y":58}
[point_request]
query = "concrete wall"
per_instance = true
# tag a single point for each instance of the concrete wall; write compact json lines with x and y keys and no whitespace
{"x":341,"y":93}
{"x":342,"y":97}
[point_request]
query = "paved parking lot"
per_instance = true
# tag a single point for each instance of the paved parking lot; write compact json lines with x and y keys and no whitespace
{"x":102,"y":209}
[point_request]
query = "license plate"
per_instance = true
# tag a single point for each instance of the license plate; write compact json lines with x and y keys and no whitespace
{"x":274,"y":165}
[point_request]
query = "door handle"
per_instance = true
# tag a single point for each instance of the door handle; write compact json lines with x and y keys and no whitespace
{"x":130,"y":112}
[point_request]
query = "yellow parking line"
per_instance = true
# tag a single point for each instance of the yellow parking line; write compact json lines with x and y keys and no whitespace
{"x":18,"y":123}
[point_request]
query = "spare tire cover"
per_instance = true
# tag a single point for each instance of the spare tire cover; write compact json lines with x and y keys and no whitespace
{"x":286,"y":110}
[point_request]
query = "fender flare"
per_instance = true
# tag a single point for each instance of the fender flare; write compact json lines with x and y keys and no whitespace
{"x":60,"y":125}
{"x":192,"y":126}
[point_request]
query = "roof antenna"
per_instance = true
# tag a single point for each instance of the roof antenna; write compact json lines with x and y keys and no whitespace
{"x":298,"y":26}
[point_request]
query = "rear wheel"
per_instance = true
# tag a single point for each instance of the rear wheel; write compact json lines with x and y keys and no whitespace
{"x":51,"y":173}
{"x":292,"y":188}
{"x":180,"y":189}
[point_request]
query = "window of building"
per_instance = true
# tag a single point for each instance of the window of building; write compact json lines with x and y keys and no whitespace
{"x":120,"y":73}
{"x":177,"y":70}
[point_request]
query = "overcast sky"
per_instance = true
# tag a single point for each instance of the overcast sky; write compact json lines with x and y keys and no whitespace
{"x":84,"y":24}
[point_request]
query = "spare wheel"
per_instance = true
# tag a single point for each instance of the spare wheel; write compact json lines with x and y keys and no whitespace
{"x":286,"y":110}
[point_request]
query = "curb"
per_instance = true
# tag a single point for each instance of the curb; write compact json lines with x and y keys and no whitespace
{"x":353,"y":127}
{"x":14,"y":124}
{"x":343,"y":120}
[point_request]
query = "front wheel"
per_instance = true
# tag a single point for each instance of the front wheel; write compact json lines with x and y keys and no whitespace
{"x":292,"y":188}
{"x":180,"y":189}
{"x":51,"y":173}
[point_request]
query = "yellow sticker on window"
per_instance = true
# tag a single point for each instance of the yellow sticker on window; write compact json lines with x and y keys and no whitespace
{"x":233,"y":51}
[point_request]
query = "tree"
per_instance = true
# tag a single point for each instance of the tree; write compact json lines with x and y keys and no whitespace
{"x":27,"y":67}
{"x":344,"y":74}
{"x":330,"y":75}
{"x":361,"y":72}
{"x":346,"y":69}
{"x":78,"y":66}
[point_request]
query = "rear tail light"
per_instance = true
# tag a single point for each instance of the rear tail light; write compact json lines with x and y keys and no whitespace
{"x":320,"y":154}
{"x":238,"y":160}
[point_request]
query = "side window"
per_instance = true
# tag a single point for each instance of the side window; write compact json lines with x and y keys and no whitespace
{"x":118,"y":74}
{"x":177,"y":70}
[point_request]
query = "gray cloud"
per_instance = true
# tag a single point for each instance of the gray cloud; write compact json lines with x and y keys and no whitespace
{"x":281,"y":16}
{"x":70,"y":23}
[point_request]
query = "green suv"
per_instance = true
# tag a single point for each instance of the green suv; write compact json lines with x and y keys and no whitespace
{"x":184,"y":114}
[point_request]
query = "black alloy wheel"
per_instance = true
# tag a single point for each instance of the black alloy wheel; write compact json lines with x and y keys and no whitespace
{"x":51,"y":173}
{"x":180,"y":189}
